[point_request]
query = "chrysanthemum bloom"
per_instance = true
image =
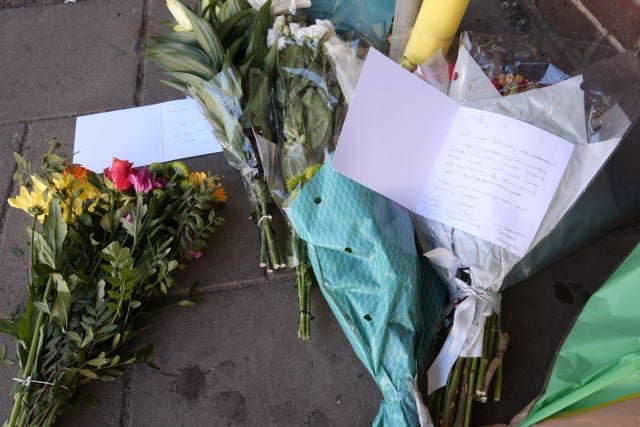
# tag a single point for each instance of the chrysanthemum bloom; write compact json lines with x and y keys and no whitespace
{"x":35,"y":202}
{"x":142,"y":180}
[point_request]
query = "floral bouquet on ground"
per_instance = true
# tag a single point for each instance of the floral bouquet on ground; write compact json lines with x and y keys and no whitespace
{"x":101,"y":247}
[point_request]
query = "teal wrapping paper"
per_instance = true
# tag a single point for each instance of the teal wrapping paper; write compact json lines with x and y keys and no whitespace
{"x":363,"y":252}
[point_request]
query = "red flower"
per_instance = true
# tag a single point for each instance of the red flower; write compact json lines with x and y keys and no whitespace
{"x":118,"y":173}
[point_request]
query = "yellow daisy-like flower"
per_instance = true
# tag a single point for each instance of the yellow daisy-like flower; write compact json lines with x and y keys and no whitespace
{"x":35,"y":202}
{"x":75,"y":191}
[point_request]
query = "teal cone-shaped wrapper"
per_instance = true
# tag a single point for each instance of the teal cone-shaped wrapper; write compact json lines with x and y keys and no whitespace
{"x":363,"y":252}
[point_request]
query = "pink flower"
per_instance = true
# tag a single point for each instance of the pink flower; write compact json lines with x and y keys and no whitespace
{"x":142,"y":180}
{"x":194,"y":254}
{"x":118,"y":173}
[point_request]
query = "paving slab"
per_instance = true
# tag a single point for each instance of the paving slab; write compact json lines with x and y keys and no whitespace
{"x":68,"y":58}
{"x":10,"y":142}
{"x":12,"y":270}
{"x":101,"y":404}
{"x":234,"y":359}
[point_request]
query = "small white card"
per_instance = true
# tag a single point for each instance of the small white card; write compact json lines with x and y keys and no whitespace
{"x":481,"y":172}
{"x":142,"y":135}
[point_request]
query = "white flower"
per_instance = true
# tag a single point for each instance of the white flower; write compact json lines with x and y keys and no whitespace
{"x":282,"y":6}
{"x":316,"y":31}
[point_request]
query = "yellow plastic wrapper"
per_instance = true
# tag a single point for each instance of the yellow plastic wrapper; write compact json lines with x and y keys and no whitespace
{"x":435,"y":27}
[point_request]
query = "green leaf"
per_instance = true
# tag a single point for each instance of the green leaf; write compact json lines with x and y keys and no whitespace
{"x":89,"y":374}
{"x":135,"y":304}
{"x":116,"y":340}
{"x":180,"y":61}
{"x":172,"y":265}
{"x":179,"y":37}
{"x":108,"y":222}
{"x":42,"y":307}
{"x":258,"y":40}
{"x":98,"y":362}
{"x":54,"y":229}
{"x":87,"y":339}
{"x":185,"y":303}
{"x":108,"y":329}
{"x":9,"y":328}
{"x":152,"y":365}
{"x":225,"y":27}
{"x":62,"y":304}
{"x":75,"y":337}
{"x":45,"y":253}
{"x":3,"y":357}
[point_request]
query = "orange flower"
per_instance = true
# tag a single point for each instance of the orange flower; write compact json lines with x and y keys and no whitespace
{"x":78,"y":171}
{"x":220,"y":194}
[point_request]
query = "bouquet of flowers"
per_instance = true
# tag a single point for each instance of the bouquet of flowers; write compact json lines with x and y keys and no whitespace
{"x":274,"y":99}
{"x":218,"y":55}
{"x":586,"y":99}
{"x":101,"y":247}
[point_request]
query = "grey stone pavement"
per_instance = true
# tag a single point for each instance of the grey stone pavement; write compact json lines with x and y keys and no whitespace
{"x":233,"y":359}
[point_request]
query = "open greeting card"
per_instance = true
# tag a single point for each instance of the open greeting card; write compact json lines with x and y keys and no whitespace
{"x":153,"y":133}
{"x":490,"y":175}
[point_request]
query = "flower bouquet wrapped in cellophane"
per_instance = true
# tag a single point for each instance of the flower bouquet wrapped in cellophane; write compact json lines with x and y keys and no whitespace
{"x":217,"y":53}
{"x":272,"y":99}
{"x":587,"y":95}
{"x":101,"y":247}
{"x":308,"y":113}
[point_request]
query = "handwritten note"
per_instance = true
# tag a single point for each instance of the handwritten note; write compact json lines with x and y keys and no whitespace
{"x":487,"y":174}
{"x":154,"y":133}
{"x":494,"y":177}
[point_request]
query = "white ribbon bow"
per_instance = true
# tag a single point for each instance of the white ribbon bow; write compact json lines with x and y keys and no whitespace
{"x":466,"y":334}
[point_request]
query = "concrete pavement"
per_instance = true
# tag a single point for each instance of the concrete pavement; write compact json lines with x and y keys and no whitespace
{"x":234,"y":358}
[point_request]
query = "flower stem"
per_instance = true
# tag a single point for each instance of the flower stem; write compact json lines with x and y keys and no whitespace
{"x":303,"y":284}
{"x":31,"y":360}
{"x":473,"y":377}
{"x":451,"y":393}
{"x":463,"y":391}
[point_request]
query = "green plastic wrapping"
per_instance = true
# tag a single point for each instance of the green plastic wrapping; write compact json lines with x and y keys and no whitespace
{"x":599,"y":363}
{"x":362,"y":249}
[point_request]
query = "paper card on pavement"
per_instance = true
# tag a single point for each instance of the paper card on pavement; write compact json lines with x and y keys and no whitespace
{"x":142,"y":135}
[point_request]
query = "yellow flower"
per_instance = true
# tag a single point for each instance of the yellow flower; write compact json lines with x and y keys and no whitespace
{"x":74,"y":192}
{"x":197,"y":178}
{"x":35,"y":202}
